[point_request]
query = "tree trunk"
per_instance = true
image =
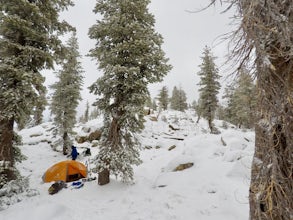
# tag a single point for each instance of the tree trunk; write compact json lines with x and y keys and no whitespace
{"x":6,"y":150}
{"x":65,"y":143}
{"x":113,"y":142}
{"x":271,"y":189}
{"x":104,"y":177}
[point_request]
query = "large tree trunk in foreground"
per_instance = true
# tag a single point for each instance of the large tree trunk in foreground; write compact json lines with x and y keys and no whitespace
{"x":267,"y":31}
{"x":6,"y":150}
{"x":271,"y":189}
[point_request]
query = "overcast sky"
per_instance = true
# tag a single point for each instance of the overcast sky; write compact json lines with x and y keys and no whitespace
{"x":185,"y":35}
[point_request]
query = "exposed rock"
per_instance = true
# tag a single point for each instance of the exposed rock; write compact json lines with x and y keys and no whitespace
{"x":36,"y":135}
{"x":174,"y":129}
{"x":81,"y":139}
{"x":183,"y":166}
{"x":96,"y":135}
{"x":86,"y":129}
{"x":153,"y":118}
{"x":171,"y":148}
{"x":95,"y":143}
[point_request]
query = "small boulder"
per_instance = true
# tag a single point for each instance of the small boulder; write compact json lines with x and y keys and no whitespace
{"x":183,"y":166}
{"x":81,"y":139}
{"x":172,"y":147}
{"x":96,"y":135}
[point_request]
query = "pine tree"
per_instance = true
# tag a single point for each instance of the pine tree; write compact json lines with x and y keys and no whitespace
{"x":178,"y":100}
{"x":66,"y":95}
{"x":209,"y":87}
{"x":244,"y":100}
{"x":174,"y":99}
{"x":129,"y":53}
{"x":39,"y":108}
{"x":28,"y":43}
{"x":87,"y":112}
{"x":94,"y":113}
{"x":154,"y":104}
{"x":241,"y":101}
{"x":163,"y":98}
{"x":148,"y":102}
{"x":229,"y":96}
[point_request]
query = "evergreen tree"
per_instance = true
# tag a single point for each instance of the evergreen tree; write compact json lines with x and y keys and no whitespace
{"x":154,"y":104}
{"x":174,"y":99}
{"x":94,"y":113}
{"x":178,"y":99}
{"x":193,"y":105}
{"x":66,"y":93}
{"x":28,"y":43}
{"x":148,"y":102}
{"x":241,"y":101}
{"x":209,"y":87}
{"x":229,"y":96}
{"x":87,"y":112}
{"x":163,"y":98}
{"x":39,"y":108}
{"x":244,"y":100}
{"x":129,"y":53}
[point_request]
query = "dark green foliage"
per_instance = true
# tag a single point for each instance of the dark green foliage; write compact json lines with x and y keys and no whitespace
{"x":163,"y":98}
{"x":241,"y":101}
{"x":128,"y":51}
{"x":29,"y":43}
{"x":178,"y":99}
{"x":66,"y":96}
{"x":209,"y":87}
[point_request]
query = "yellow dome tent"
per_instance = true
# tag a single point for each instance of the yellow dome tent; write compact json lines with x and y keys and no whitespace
{"x":67,"y":171}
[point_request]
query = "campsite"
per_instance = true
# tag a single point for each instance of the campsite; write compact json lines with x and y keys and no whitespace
{"x":215,"y":187}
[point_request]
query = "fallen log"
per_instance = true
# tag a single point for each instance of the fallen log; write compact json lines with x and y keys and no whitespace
{"x":175,"y":138}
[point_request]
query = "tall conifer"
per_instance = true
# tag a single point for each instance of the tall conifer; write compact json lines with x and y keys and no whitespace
{"x":29,"y":43}
{"x":66,"y":95}
{"x":128,"y":51}
{"x":163,"y":98}
{"x":209,"y":87}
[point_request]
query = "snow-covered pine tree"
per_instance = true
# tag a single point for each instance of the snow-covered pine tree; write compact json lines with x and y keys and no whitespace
{"x":154,"y":104}
{"x":129,"y":53}
{"x":39,"y":108}
{"x":174,"y":99}
{"x":28,"y":43}
{"x":87,"y":112}
{"x":163,"y":98}
{"x":66,"y":95}
{"x":178,"y":99}
{"x":244,"y":101}
{"x":209,"y":87}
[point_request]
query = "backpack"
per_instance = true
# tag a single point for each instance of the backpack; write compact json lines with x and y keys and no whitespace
{"x":56,"y":187}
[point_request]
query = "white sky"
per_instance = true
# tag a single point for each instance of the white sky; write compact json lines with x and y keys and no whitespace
{"x":185,"y":35}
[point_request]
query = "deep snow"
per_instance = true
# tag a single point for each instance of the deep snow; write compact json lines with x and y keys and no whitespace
{"x":215,"y":187}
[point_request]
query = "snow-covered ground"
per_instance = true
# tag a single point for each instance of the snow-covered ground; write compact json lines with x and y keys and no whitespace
{"x":215,"y":187}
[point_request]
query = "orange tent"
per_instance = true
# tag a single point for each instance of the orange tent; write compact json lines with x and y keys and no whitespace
{"x":68,"y":170}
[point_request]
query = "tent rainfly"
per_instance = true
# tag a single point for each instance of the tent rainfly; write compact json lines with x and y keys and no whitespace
{"x":67,"y":171}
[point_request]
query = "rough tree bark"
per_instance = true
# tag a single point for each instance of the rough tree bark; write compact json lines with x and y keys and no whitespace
{"x":113,"y":142}
{"x":271,"y":189}
{"x":267,"y":27}
{"x":6,"y":150}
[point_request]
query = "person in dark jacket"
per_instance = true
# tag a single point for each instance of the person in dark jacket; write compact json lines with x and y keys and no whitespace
{"x":74,"y":153}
